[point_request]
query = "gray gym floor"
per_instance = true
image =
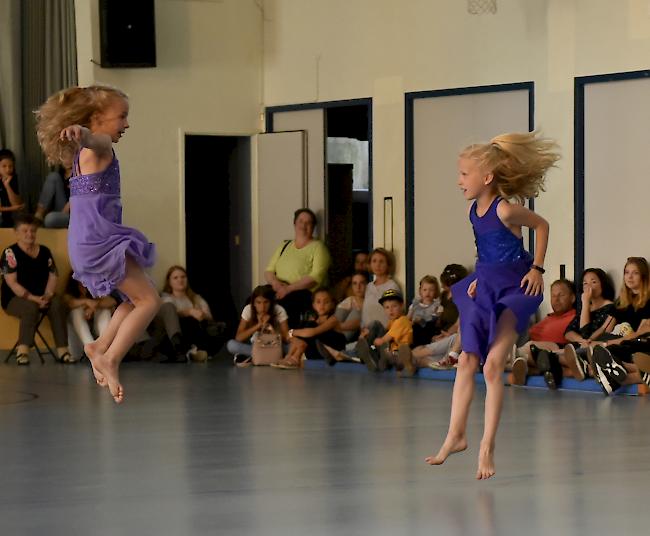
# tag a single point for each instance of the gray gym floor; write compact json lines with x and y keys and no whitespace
{"x":211,"y":449}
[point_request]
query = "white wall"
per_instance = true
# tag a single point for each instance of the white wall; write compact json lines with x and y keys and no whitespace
{"x":208,"y":81}
{"x":317,"y":50}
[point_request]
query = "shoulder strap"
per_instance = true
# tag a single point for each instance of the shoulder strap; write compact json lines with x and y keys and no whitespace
{"x":76,"y":170}
{"x":286,"y":245}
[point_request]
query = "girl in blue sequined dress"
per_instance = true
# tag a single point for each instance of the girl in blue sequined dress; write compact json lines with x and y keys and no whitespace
{"x":77,"y":127}
{"x":497,"y":300}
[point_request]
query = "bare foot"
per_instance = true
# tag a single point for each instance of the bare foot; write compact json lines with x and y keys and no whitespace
{"x":110,"y":369}
{"x":485,"y":463}
{"x":449,"y":447}
{"x":94,"y":352}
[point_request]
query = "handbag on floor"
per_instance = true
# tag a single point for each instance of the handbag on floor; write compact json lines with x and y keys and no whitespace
{"x":267,"y":346}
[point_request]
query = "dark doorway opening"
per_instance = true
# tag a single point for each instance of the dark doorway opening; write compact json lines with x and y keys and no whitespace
{"x":218,"y":221}
{"x":348,"y":185}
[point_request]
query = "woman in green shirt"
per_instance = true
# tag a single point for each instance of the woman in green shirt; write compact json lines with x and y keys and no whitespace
{"x":298,"y":267}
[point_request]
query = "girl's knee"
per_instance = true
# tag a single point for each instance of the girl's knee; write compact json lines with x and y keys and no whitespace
{"x":492,"y":371}
{"x":467,"y":362}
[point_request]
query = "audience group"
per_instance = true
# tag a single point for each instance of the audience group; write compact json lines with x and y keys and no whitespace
{"x":183,"y":329}
{"x":361,"y":318}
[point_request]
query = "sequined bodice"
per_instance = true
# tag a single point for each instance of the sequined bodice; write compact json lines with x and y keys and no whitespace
{"x":104,"y":182}
{"x":494,"y":241}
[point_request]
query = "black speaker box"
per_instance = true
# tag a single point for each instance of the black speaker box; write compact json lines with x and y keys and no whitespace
{"x":127,"y":33}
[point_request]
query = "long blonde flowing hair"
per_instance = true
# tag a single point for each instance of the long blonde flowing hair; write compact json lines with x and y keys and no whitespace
{"x":72,"y":106}
{"x":518,"y":162}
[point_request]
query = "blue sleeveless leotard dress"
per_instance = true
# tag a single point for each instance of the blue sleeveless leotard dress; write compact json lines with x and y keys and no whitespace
{"x":502,"y":263}
{"x":98,"y":243}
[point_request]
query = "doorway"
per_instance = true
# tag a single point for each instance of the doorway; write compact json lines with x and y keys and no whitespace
{"x":347,"y":186}
{"x":342,"y":187}
{"x":218,"y":221}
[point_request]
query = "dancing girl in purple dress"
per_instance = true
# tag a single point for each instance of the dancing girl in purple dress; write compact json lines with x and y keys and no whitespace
{"x":77,"y":127}
{"x":497,"y":300}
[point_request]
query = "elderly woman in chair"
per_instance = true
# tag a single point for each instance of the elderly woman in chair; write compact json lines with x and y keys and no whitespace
{"x":28,"y":286}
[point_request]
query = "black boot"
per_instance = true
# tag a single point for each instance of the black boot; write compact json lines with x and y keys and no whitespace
{"x":179,"y":349}
{"x":549,"y":366}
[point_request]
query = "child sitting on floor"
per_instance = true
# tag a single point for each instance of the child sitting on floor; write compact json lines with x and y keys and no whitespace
{"x":385,"y":350}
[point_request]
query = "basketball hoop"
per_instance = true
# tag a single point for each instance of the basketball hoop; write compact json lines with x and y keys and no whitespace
{"x":481,"y":7}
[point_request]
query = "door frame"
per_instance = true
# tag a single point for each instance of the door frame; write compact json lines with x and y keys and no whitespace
{"x":579,"y":157}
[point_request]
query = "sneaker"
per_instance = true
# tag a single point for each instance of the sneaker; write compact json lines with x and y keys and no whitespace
{"x":446,"y":363}
{"x":241,"y":360}
{"x":325,"y":353}
{"x":512,"y":355}
{"x":519,"y":371}
{"x":405,"y":359}
{"x":609,"y":373}
{"x":645,"y":378}
{"x":366,"y":356}
{"x":198,"y":356}
{"x":576,"y":363}
{"x":22,"y":359}
{"x":385,"y":358}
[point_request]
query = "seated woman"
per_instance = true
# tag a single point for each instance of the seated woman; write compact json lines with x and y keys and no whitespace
{"x":53,"y":207}
{"x":10,"y":200}
{"x":616,"y":361}
{"x":258,"y":313}
{"x":298,"y":266}
{"x":320,"y":336}
{"x":197,"y":325}
{"x":89,"y":316}
{"x":28,"y":289}
{"x":589,"y":325}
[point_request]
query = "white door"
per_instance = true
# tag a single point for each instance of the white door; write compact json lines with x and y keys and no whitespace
{"x":313,"y":123}
{"x":279,"y":190}
{"x":442,"y":127}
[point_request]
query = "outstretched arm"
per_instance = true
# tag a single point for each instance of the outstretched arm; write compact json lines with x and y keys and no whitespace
{"x":100,"y":145}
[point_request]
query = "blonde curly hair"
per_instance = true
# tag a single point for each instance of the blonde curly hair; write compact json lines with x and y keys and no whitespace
{"x":518,"y":162}
{"x":72,"y":106}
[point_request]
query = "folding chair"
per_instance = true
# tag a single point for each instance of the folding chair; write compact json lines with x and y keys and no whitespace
{"x":40,"y":336}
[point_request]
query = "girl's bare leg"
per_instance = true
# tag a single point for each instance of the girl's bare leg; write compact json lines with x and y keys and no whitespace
{"x":101,"y":344}
{"x":493,"y":373}
{"x":146,"y":303}
{"x":456,"y":440}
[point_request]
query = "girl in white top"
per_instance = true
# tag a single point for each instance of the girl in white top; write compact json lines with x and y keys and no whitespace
{"x":261,"y":310}
{"x":348,"y":311}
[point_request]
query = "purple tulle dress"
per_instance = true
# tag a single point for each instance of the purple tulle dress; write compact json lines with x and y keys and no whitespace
{"x":502,"y":263}
{"x":98,"y":243}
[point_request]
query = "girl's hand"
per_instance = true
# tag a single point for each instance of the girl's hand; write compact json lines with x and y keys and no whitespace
{"x":264,"y":319}
{"x":74,"y":133}
{"x":586,"y":295}
{"x":471,"y":290}
{"x":534,"y":282}
{"x":378,"y":341}
{"x":6,"y":180}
